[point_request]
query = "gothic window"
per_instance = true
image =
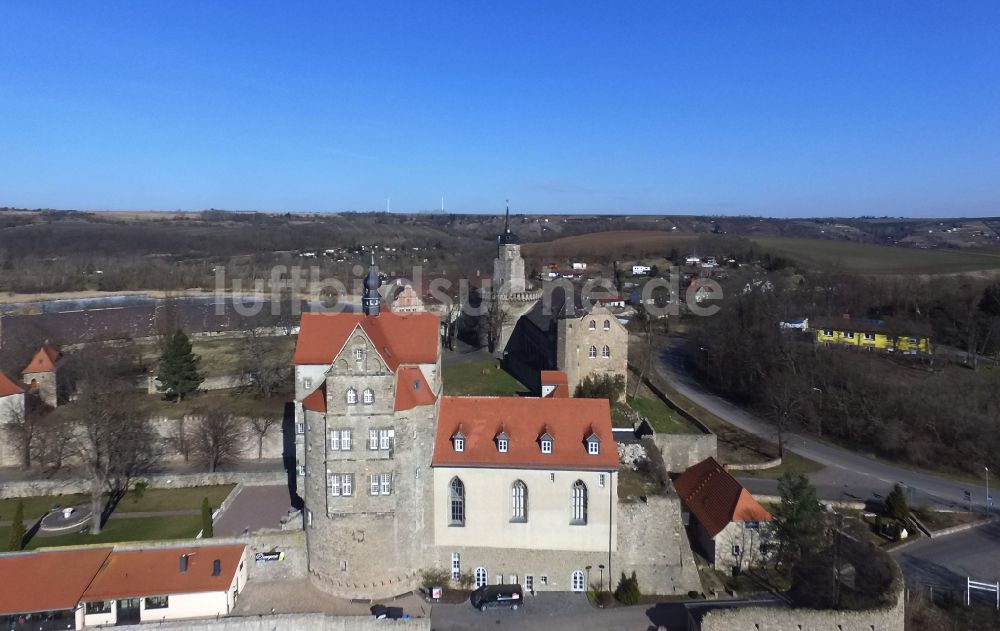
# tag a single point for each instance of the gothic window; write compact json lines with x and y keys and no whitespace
{"x":519,"y":501}
{"x":457,"y":504}
{"x":352,"y":396}
{"x":482,"y":577}
{"x":577,"y":582}
{"x":607,"y":325}
{"x":592,"y":353}
{"x":579,"y":503}
{"x":593,"y":325}
{"x":606,"y":352}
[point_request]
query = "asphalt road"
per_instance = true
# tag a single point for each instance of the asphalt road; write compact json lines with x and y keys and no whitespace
{"x":846,"y":475}
{"x":944,"y":563}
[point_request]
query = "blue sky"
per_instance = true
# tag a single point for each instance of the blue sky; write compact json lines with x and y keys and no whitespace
{"x":785,"y":109}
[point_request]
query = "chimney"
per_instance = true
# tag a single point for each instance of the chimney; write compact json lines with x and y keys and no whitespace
{"x":184,"y":563}
{"x":216,"y":567}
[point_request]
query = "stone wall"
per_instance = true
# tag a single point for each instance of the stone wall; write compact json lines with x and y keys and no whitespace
{"x":680,"y":451}
{"x":652,"y":542}
{"x":170,"y":429}
{"x":775,"y":619}
{"x":31,"y":488}
{"x":292,"y":622}
{"x":575,"y":338}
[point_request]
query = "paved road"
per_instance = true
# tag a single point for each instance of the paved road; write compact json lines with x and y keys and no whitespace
{"x":846,"y":476}
{"x":945,"y":562}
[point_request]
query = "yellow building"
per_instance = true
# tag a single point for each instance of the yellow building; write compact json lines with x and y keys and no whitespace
{"x":910,"y":338}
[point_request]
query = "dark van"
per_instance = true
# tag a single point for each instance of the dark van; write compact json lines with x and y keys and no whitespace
{"x":497,"y":596}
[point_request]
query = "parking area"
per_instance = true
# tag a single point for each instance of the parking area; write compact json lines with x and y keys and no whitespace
{"x":261,"y":598}
{"x":254,"y":508}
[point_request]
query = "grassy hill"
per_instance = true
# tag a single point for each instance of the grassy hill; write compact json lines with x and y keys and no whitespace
{"x":879,"y":259}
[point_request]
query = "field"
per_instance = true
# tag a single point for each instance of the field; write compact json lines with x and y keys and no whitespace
{"x":152,"y":501}
{"x":880,"y":259}
{"x":220,"y":356}
{"x":618,"y":244}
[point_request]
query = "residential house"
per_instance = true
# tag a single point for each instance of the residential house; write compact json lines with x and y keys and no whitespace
{"x":727,"y":523}
{"x":909,"y":338}
{"x":44,"y":376}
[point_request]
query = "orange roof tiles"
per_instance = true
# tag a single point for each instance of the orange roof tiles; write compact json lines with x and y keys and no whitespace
{"x":316,"y":401}
{"x":715,"y":497}
{"x":525,"y":419}
{"x":8,"y":386}
{"x":554,"y":377}
{"x":45,"y":360}
{"x":400,"y":338}
{"x":412,"y":389}
{"x":47,"y":581}
{"x":156,"y":572}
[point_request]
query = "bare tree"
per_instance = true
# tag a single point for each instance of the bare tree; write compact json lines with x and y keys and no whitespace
{"x":646,"y":349}
{"x":24,"y":425}
{"x":217,"y":438}
{"x":260,"y":426}
{"x":495,"y":319}
{"x":262,"y":369}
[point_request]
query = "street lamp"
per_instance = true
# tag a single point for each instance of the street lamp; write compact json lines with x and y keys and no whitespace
{"x":989,"y":507}
{"x":588,"y":568}
{"x":601,"y":566}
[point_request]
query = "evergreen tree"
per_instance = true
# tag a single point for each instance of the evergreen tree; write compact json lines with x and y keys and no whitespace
{"x":179,"y":368}
{"x":799,"y":521}
{"x":207,"y":531}
{"x":627,"y":592}
{"x":895,"y":504}
{"x":17,"y":529}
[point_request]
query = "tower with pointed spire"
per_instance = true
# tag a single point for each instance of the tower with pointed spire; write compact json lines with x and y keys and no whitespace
{"x":508,"y":268}
{"x":371,"y":301}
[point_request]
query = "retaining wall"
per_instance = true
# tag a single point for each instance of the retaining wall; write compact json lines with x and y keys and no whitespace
{"x":31,"y":488}
{"x":775,"y":619}
{"x":680,"y":451}
{"x":293,"y":622}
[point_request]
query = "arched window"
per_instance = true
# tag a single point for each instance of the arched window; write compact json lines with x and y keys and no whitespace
{"x":369,"y":396}
{"x":607,"y":325}
{"x":593,"y":325}
{"x":592,"y":353}
{"x":579,"y":503}
{"x":606,"y":353}
{"x":352,"y":396}
{"x":519,"y":501}
{"x":482,"y":577}
{"x":577,"y":581}
{"x":456,"y":503}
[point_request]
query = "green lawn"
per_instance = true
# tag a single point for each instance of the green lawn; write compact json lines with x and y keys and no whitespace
{"x":790,"y":462}
{"x":154,"y":500}
{"x":663,"y":419}
{"x":484,"y":378}
{"x":879,"y":259}
{"x":124,"y":529}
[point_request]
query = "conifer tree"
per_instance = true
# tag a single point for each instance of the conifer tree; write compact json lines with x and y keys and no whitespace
{"x":17,"y":529}
{"x":179,"y":374}
{"x":207,"y":530}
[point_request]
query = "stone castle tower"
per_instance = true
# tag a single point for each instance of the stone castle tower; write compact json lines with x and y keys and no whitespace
{"x":367,"y":390}
{"x":508,"y":267}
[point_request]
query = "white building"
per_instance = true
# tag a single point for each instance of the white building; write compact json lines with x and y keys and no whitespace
{"x":638,"y":270}
{"x":105,"y":586}
{"x":12,"y":411}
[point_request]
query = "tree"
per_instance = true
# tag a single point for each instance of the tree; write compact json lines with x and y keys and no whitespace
{"x":627,"y":592}
{"x":800,"y":526}
{"x":608,"y":387}
{"x":260,"y":426}
{"x":25,"y":425}
{"x":895,"y":504}
{"x":178,"y":368}
{"x":261,"y":368}
{"x":207,"y":529}
{"x":217,"y":438}
{"x":17,"y":530}
{"x":495,"y":320}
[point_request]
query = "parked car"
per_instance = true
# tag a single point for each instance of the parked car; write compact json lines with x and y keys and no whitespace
{"x":497,"y":596}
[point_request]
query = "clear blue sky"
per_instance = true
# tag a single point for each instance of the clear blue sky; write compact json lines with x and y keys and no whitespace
{"x":792,"y":108}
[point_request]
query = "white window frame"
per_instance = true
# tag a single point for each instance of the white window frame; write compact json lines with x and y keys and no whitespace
{"x":502,"y":445}
{"x":334,"y":485}
{"x":334,"y":440}
{"x":368,"y":396}
{"x":592,"y":352}
{"x":372,"y":440}
{"x":347,"y":483}
{"x":578,"y":581}
{"x":606,"y":352}
{"x":459,"y":444}
{"x":546,"y":446}
{"x":359,"y":354}
{"x":300,"y":427}
{"x":607,"y":325}
{"x":386,"y":484}
{"x":593,"y":447}
{"x":300,"y":470}
{"x":373,"y":484}
{"x":384,"y":439}
{"x":578,"y":503}
{"x":519,"y":501}
{"x":346,"y":442}
{"x":593,"y":325}
{"x":456,"y":566}
{"x":481,"y":577}
{"x":601,"y":480}
{"x":307,"y":383}
{"x":352,"y":396}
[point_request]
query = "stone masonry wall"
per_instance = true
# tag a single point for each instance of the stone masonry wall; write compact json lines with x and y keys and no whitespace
{"x":681,"y":451}
{"x":292,"y":622}
{"x":30,"y":488}
{"x":652,"y":542}
{"x":774,"y":619}
{"x":575,"y":338}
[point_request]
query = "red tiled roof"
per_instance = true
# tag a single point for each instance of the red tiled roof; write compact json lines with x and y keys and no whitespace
{"x":525,"y":419}
{"x":554,"y":377}
{"x":9,"y":387}
{"x":715,"y":498}
{"x":156,"y":572}
{"x":47,"y":581}
{"x":45,"y":360}
{"x":412,"y":389}
{"x":400,"y":338}
{"x":316,"y":401}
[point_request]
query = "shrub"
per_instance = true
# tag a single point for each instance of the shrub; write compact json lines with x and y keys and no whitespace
{"x":608,"y":387}
{"x":207,"y":530}
{"x":434,"y":577}
{"x":895,"y":504}
{"x":604,"y":599}
{"x":627,"y":592}
{"x":139,"y":489}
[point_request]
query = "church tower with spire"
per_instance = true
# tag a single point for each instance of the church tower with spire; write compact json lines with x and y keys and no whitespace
{"x":508,"y":267}
{"x":371,"y":301}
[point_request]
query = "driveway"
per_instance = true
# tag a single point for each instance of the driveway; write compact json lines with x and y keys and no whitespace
{"x":846,"y":476}
{"x":944,"y":563}
{"x":254,"y":508}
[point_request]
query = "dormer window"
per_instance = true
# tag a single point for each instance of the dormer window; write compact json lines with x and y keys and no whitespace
{"x":593,"y":444}
{"x":545,"y":441}
{"x":502,"y":445}
{"x":458,"y":441}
